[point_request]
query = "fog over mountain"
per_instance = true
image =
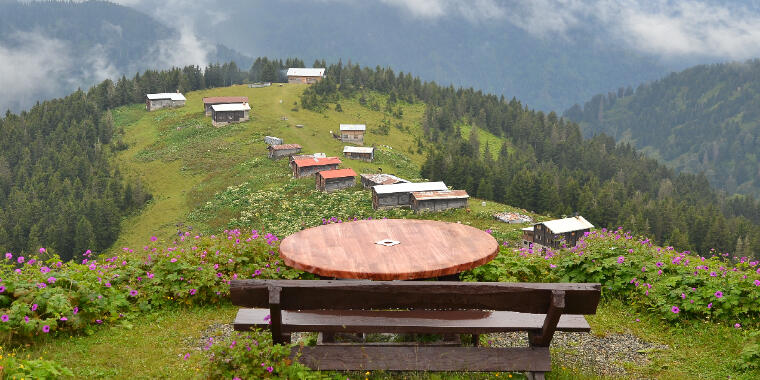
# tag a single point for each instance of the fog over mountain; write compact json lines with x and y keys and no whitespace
{"x":549,"y":54}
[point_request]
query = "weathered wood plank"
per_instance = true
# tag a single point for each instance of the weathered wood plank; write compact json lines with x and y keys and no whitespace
{"x":340,"y":295}
{"x":418,"y":321}
{"x":347,"y":358}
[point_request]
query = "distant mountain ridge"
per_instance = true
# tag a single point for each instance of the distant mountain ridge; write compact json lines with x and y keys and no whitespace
{"x":48,"y":49}
{"x":703,"y":119}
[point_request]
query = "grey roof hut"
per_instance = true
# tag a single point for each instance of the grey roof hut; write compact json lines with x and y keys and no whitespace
{"x":439,"y":200}
{"x":400,"y":194}
{"x":284,"y":150}
{"x":352,"y":133}
{"x":364,"y":153}
{"x":164,"y":100}
{"x":223,"y":114}
{"x":556,"y":232}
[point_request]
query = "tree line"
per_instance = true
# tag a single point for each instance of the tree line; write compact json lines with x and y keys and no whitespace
{"x":703,"y":119}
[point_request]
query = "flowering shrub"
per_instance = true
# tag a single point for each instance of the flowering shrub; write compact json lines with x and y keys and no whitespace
{"x":41,"y":297}
{"x":253,"y":356}
{"x":673,"y":284}
{"x":12,"y":367}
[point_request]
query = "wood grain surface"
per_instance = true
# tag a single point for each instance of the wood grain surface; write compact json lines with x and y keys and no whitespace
{"x":427,"y":249}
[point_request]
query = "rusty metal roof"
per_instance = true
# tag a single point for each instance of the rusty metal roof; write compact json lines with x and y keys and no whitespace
{"x":384,"y":179}
{"x":225,"y":99}
{"x":338,"y":173}
{"x":304,"y":162}
{"x":446,"y":194}
{"x":284,"y":147}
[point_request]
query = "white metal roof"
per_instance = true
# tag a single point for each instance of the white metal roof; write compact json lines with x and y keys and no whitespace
{"x":409,"y":187}
{"x":527,"y":229}
{"x":358,"y":149}
{"x":166,"y":95}
{"x":560,"y":226}
{"x":231,"y":107}
{"x":353,"y":127}
{"x":306,"y":72}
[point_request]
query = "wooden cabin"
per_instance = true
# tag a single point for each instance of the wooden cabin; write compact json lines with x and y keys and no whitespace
{"x":271,"y":140}
{"x":400,"y":194}
{"x":527,"y":236}
{"x":369,"y":180}
{"x":208,"y":102}
{"x":223,"y":114}
{"x":364,"y":153}
{"x":305,"y":167}
{"x":332,"y":180}
{"x":305,"y":75}
{"x":352,"y":133}
{"x":283,"y":150}
{"x":164,"y":100}
{"x":438,"y":200}
{"x":556,"y":232}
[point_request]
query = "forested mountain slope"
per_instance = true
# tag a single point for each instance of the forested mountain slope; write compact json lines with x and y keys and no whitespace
{"x":49,"y":49}
{"x":546,"y":166}
{"x":704,"y":119}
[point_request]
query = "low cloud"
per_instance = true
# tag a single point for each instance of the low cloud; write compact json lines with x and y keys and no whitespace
{"x":29,"y":67}
{"x":660,"y":27}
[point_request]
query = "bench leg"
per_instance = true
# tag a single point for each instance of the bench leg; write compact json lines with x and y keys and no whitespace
{"x":535,"y":375}
{"x":476,"y":340}
{"x":326,"y":337}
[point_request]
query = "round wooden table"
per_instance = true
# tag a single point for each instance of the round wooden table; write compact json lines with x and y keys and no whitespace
{"x":412,"y":249}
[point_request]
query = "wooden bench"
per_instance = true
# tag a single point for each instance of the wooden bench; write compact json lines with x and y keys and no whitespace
{"x":434,"y":307}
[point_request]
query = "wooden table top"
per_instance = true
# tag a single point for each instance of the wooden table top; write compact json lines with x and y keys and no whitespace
{"x":426,"y":249}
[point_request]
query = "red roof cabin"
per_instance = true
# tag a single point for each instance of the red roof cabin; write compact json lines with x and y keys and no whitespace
{"x":210,"y":101}
{"x":305,"y":167}
{"x":332,"y":180}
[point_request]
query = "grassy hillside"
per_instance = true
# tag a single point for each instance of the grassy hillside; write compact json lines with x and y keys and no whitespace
{"x":184,"y":161}
{"x":218,"y":178}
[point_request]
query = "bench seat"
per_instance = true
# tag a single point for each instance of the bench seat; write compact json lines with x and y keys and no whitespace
{"x":416,"y":321}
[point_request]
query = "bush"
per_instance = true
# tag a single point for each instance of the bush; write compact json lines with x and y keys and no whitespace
{"x":671,"y":284}
{"x":12,"y":367}
{"x":252,"y":356}
{"x":37,"y":298}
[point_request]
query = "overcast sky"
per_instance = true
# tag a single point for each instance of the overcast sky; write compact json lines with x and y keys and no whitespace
{"x":668,"y":29}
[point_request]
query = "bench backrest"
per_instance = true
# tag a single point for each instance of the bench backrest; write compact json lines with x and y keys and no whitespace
{"x":437,"y":295}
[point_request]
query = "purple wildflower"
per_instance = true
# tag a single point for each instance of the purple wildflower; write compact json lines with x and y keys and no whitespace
{"x":675,"y":309}
{"x":34,"y":307}
{"x":192,"y":292}
{"x":620,"y":259}
{"x":52,"y":280}
{"x":46,"y":329}
{"x":8,"y":255}
{"x":718,"y":294}
{"x":5,"y":318}
{"x":133,"y":293}
{"x":20,"y":259}
{"x":2,"y":288}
